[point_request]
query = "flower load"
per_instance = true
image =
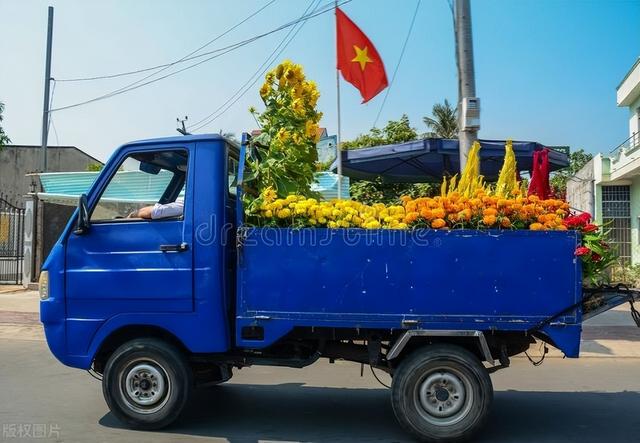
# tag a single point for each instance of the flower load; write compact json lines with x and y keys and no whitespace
{"x":281,"y":165}
{"x":466,"y":203}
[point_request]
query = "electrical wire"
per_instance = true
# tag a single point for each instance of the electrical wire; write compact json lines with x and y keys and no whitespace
{"x":218,"y":112}
{"x":224,"y":50}
{"x":257,"y":72}
{"x":379,"y":381}
{"x":395,"y":71}
{"x":168,"y":65}
{"x":50,"y":123}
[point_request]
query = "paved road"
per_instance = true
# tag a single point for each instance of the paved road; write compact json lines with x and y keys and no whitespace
{"x":589,"y":400}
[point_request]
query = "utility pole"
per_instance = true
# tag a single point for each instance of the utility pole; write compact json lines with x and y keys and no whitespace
{"x":47,"y":84}
{"x":468,"y":103}
{"x":182,"y":130}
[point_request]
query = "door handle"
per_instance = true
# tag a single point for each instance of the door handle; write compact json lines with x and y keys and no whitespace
{"x":174,"y":248}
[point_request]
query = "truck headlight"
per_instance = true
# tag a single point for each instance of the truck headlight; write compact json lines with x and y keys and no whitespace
{"x":43,"y":285}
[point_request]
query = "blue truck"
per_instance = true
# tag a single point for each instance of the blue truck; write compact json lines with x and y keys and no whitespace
{"x":160,"y":306}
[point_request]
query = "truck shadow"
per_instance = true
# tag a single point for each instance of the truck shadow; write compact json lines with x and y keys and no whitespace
{"x":296,"y":412}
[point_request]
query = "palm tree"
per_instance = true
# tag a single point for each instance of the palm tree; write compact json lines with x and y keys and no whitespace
{"x":4,"y":138}
{"x":444,"y":122}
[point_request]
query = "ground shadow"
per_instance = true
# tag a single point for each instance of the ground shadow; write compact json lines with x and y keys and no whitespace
{"x":295,"y":412}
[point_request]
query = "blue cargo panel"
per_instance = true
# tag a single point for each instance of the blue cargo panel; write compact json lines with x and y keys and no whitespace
{"x":460,"y":279}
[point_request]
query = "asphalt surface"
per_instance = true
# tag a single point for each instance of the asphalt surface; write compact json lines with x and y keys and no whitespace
{"x":589,"y":400}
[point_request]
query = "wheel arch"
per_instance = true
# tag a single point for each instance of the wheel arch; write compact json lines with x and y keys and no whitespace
{"x":473,"y":341}
{"x":121,"y":335}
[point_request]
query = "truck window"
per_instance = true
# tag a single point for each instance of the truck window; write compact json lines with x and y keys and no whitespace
{"x":154,"y":180}
{"x":232,"y":170}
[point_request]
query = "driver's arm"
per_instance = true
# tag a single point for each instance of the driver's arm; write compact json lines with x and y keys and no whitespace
{"x":144,"y":212}
{"x":173,"y":209}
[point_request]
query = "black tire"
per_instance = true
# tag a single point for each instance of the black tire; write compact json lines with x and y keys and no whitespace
{"x":146,"y":383}
{"x":424,"y":390}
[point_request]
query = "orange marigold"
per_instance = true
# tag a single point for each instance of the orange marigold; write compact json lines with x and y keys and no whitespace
{"x":438,"y":223}
{"x":489,"y":220}
{"x":536,"y":226}
{"x":438,"y":213}
{"x":490,"y":211}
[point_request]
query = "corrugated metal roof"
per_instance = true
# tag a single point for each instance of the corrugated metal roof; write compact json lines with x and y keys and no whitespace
{"x":138,"y":186}
{"x":125,"y":186}
{"x":327,"y":185}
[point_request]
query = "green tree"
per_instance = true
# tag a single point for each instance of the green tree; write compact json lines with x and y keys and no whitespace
{"x":444,"y":120}
{"x":94,"y":167}
{"x":559,"y":179}
{"x":396,"y":131}
{"x":4,"y":138}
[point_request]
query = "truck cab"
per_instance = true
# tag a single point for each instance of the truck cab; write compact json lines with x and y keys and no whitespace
{"x":111,"y":273}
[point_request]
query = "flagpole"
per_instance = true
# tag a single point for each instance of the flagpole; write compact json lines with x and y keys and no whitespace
{"x":339,"y":136}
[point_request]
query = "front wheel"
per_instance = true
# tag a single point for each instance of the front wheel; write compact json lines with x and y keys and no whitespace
{"x":146,"y":383}
{"x":441,"y":393}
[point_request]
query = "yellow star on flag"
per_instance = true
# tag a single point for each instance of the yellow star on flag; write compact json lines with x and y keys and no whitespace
{"x":361,"y":57}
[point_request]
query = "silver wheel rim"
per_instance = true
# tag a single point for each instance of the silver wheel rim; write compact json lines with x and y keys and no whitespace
{"x":145,"y":386}
{"x":444,"y":396}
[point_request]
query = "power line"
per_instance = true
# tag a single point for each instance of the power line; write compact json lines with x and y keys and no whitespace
{"x":256,"y":75}
{"x":50,"y":123}
{"x":220,"y":52}
{"x":168,"y":65}
{"x":395,"y":71}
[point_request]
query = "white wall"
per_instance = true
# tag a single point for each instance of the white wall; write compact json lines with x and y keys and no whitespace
{"x":580,"y":188}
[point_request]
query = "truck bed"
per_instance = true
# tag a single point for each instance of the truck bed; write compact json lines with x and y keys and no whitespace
{"x":390,"y":279}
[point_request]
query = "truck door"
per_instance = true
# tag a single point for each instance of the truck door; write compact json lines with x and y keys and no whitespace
{"x":126,"y":262}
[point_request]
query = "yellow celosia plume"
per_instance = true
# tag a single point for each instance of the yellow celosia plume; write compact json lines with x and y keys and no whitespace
{"x":507,"y":181}
{"x":470,"y":180}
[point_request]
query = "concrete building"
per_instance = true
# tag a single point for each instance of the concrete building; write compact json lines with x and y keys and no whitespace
{"x":609,"y":185}
{"x":18,"y":160}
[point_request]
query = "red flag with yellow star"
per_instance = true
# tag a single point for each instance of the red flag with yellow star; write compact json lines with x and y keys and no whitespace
{"x":358,"y":59}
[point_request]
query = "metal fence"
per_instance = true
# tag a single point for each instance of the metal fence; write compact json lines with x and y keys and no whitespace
{"x":11,"y":242}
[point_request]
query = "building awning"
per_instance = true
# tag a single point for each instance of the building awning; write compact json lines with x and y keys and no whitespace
{"x":428,"y":160}
{"x":139,"y":187}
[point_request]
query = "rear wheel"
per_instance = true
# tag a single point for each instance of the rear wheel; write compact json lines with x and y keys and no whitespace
{"x":146,"y":383}
{"x":441,"y":393}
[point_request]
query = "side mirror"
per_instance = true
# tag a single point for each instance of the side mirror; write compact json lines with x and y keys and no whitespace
{"x":83,"y":216}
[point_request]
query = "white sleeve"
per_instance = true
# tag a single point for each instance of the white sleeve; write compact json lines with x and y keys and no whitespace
{"x":172,"y":209}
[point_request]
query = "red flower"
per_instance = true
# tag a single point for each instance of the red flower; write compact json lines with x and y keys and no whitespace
{"x":595,"y":257}
{"x":585,"y":217}
{"x":582,"y":250}
{"x":571,"y":222}
{"x":590,"y":228}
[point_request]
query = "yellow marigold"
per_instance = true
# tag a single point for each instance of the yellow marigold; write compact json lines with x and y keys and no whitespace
{"x":438,"y":223}
{"x":268,"y":213}
{"x":264,"y":90}
{"x":283,"y":135}
{"x":536,"y":226}
{"x":310,"y":129}
{"x":284,"y":213}
{"x":269,"y":195}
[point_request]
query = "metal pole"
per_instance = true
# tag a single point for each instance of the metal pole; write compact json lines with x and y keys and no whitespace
{"x":466,"y":75}
{"x":47,"y":84}
{"x":338,"y":137}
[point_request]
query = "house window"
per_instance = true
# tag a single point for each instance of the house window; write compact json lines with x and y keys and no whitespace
{"x":616,"y":215}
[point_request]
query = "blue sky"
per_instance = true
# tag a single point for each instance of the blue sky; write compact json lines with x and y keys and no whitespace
{"x":546,"y":70}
